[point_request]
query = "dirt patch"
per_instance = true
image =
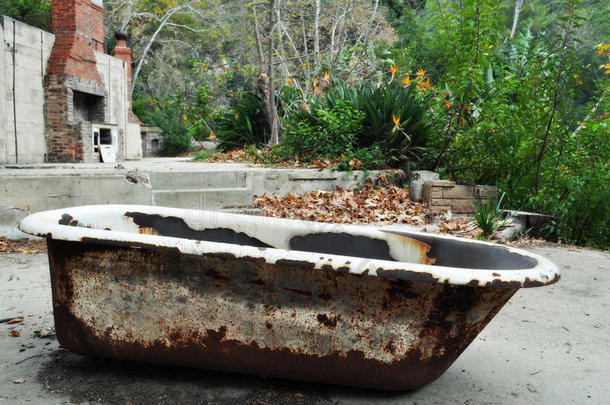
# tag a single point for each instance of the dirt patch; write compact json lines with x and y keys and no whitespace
{"x":25,"y":246}
{"x":92,"y":380}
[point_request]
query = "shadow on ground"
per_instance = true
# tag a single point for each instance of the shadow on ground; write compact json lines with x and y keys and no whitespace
{"x":93,"y":380}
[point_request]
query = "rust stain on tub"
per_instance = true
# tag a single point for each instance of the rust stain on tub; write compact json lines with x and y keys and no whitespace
{"x":146,"y":230}
{"x":422,"y":247}
{"x":392,"y":334}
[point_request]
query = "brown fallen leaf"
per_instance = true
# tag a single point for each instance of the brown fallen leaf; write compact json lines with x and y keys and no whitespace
{"x":19,"y":381}
{"x":15,"y":320}
{"x":15,"y":333}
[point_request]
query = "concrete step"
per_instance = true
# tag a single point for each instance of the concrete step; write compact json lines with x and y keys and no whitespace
{"x":196,"y":179}
{"x":203,"y":198}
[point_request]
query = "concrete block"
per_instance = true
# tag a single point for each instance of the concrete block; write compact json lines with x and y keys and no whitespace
{"x":312,"y":176}
{"x":423,"y":175}
{"x":283,"y":182}
{"x":416,"y":186}
{"x":440,"y":208}
{"x":486,"y":192}
{"x":440,"y":202}
{"x":436,"y":192}
{"x":462,"y":206}
{"x":440,"y":183}
{"x":458,"y":191}
{"x":196,"y":179}
{"x":432,"y":190}
{"x":203,"y":199}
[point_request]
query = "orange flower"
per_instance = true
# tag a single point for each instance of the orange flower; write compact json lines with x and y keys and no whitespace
{"x":396,"y":121}
{"x":315,"y":82}
{"x":212,"y":136}
{"x":327,"y":76}
{"x":448,"y":104}
{"x":421,"y":72}
{"x":603,"y":49}
{"x":236,"y":117}
{"x":393,"y":69}
{"x":289,"y":80}
{"x":184,"y":117}
{"x":424,"y":85}
{"x":406,"y":81}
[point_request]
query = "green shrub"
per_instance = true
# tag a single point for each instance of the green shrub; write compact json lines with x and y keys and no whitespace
{"x":203,"y":155}
{"x":369,"y":158}
{"x":244,"y":125}
{"x":33,"y":12}
{"x":168,"y":114}
{"x":328,"y":132}
{"x":378,"y":106}
{"x":577,"y":178}
{"x":176,"y":138}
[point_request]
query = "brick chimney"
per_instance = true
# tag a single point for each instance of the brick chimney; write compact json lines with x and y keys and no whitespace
{"x":75,"y":94}
{"x":78,"y":26}
{"x":123,"y":52}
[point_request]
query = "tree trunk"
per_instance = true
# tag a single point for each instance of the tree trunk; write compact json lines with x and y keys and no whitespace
{"x":273,"y":118}
{"x":518,"y":6}
{"x":152,"y":39}
{"x":262,"y":84}
{"x":316,"y":31}
{"x":259,"y":45}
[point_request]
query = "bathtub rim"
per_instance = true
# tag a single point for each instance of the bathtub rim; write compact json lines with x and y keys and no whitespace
{"x":46,"y":224}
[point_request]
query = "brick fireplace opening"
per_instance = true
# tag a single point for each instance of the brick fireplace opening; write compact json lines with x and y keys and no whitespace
{"x":88,"y":107}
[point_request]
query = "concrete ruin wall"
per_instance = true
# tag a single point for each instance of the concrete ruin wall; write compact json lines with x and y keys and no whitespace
{"x":25,"y":71}
{"x":24,"y":52}
{"x":113,"y":73}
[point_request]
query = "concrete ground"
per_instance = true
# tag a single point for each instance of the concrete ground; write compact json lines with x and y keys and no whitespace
{"x":547,"y":346}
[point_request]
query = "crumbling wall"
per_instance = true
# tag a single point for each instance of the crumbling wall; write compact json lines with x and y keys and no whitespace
{"x":24,"y":53}
{"x":46,"y":128}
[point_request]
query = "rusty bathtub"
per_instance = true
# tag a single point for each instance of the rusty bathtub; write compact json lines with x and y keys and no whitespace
{"x":345,"y":304}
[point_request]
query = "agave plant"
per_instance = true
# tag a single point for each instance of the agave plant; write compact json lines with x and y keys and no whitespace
{"x":245,"y":124}
{"x":488,"y":215}
{"x":399,"y":142}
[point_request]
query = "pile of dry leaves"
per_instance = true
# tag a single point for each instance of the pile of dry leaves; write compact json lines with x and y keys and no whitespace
{"x":382,"y":205}
{"x":26,"y":246}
